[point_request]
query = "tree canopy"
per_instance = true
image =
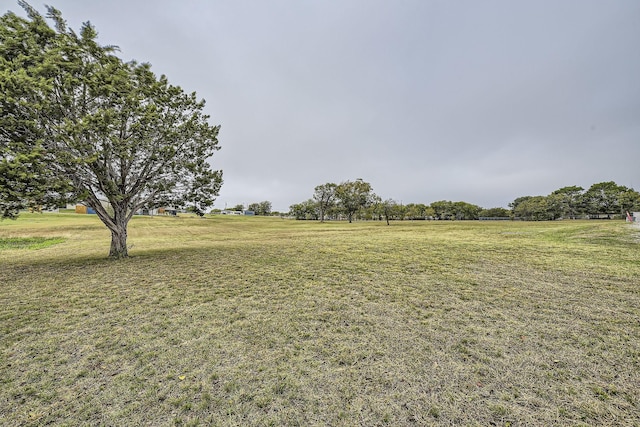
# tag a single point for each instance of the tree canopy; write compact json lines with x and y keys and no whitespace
{"x":260,"y":208}
{"x":353,"y":196}
{"x":79,"y":123}
{"x":325,"y":196}
{"x":26,"y":72}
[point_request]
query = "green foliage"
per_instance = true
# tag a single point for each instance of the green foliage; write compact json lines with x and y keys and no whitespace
{"x":604,"y":198}
{"x":568,"y":201}
{"x":305,"y":210}
{"x":533,"y":208}
{"x":629,"y":200}
{"x":391,"y":210}
{"x":445,"y":209}
{"x":513,"y":205}
{"x":77,"y":116}
{"x":325,"y":197}
{"x":255,"y":207}
{"x":418,"y":211}
{"x":353,"y":196}
{"x":260,"y":208}
{"x":495,"y":213}
{"x":26,"y":72}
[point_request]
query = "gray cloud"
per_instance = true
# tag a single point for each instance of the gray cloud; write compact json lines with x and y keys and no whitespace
{"x":427,"y":100}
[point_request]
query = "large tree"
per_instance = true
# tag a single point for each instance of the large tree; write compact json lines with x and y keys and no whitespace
{"x":353,"y":196}
{"x":325,"y":197}
{"x":390,"y":209}
{"x":265,"y":208}
{"x":570,"y":201}
{"x":443,"y":209}
{"x":604,"y":198}
{"x":466,"y":211}
{"x":82,"y":118}
{"x":629,"y":200}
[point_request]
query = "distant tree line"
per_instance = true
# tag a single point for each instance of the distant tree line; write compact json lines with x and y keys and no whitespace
{"x":356,"y":200}
{"x":602,"y":200}
{"x":258,"y":208}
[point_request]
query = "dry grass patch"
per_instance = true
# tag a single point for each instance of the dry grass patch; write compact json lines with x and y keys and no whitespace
{"x":252,"y":321}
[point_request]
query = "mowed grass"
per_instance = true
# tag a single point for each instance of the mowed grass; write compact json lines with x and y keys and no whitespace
{"x":263,"y":321}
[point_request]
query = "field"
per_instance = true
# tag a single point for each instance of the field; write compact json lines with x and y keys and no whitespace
{"x":262,"y":321}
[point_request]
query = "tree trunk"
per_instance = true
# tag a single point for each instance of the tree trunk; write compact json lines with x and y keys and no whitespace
{"x":119,"y":243}
{"x":118,"y":227}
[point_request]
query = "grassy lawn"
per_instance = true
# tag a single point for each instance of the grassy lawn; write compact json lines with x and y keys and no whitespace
{"x":264,"y":321}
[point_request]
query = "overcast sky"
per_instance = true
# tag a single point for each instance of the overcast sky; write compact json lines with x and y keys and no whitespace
{"x":479,"y":101}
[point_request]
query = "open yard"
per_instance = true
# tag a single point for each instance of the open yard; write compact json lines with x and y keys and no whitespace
{"x":263,"y":321}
